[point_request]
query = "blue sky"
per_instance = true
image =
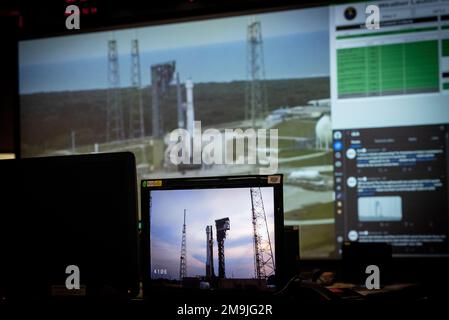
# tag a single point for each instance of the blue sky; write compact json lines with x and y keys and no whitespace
{"x":203,"y":207}
{"x":296,"y":45}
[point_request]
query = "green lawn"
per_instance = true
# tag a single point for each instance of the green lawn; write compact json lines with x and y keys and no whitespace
{"x":317,"y":241}
{"x":296,"y":153}
{"x":142,"y":154}
{"x":325,"y":159}
{"x":314,"y":211}
{"x":296,"y":128}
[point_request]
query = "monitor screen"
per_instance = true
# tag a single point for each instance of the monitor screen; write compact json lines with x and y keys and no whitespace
{"x":204,"y":209}
{"x":313,"y":74}
{"x":210,"y":232}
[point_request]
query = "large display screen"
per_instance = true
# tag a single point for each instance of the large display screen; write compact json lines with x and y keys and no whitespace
{"x":309,"y":73}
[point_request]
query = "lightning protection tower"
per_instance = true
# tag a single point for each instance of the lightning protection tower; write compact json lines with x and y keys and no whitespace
{"x":256,"y":106}
{"x":263,"y":253}
{"x":183,"y":258}
{"x":136,"y":124}
{"x":114,"y":119}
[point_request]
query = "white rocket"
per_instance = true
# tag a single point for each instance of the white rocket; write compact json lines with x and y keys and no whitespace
{"x":190,"y":113}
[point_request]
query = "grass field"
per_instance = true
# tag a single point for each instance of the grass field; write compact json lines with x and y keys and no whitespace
{"x":315,"y":211}
{"x":317,"y":241}
{"x":323,"y":160}
{"x":297,"y":128}
{"x":295,"y":153}
{"x":48,"y":118}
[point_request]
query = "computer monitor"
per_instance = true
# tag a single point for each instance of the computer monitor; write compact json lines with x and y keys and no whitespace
{"x":226,"y":231}
{"x":58,"y":212}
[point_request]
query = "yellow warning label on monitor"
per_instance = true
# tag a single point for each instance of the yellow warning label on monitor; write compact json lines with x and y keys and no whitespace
{"x":154,"y":183}
{"x":276,"y":179}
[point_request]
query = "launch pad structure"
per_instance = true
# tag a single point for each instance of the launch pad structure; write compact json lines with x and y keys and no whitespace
{"x":161,"y":76}
{"x":183,"y":258}
{"x":264,"y":263}
{"x":256,"y":102}
{"x":136,"y":122}
{"x":222,"y":226}
{"x":115,"y":129}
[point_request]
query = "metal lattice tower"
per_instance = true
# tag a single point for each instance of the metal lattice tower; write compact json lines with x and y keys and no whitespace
{"x":263,"y":253}
{"x":183,"y":258}
{"x":256,"y":106}
{"x":161,"y":76}
{"x":114,"y":120}
{"x":222,"y":226}
{"x":136,"y":124}
{"x":210,"y":273}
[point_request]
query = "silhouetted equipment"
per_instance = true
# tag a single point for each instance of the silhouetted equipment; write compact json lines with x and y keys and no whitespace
{"x":183,"y":259}
{"x":256,"y":105}
{"x":136,"y":124}
{"x":161,"y":76}
{"x":71,"y":216}
{"x":222,"y":226}
{"x":114,"y":119}
{"x":356,"y":256}
{"x":290,"y":254}
{"x":210,"y":273}
{"x":263,"y":252}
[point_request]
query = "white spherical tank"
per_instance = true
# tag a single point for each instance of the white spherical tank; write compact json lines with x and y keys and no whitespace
{"x":323,"y":132}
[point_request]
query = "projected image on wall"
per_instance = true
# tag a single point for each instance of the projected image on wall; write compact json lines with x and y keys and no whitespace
{"x":127,"y":89}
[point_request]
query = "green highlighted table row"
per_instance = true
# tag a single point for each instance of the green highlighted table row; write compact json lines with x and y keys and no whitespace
{"x":388,"y":69}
